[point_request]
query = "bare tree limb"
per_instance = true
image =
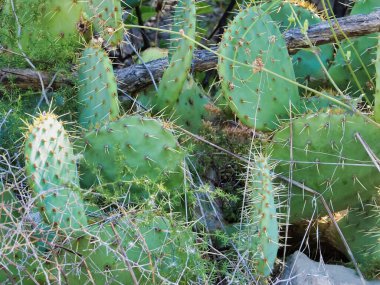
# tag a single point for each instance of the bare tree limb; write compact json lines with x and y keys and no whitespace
{"x":136,"y":77}
{"x":28,"y":79}
{"x":351,"y":26}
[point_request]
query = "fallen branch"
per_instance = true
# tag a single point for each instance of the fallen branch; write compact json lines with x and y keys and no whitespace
{"x":136,"y":77}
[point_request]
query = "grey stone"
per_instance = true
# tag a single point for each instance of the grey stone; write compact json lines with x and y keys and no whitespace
{"x":300,"y":270}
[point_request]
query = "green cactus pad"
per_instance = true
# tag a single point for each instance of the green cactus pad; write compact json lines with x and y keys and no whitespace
{"x":361,"y":229}
{"x":260,"y":236}
{"x":97,"y":90}
{"x":145,"y":246}
{"x":314,"y":104}
{"x":175,"y":75}
{"x":366,"y":54}
{"x":132,"y":147}
{"x":258,"y":98}
{"x":106,"y":17}
{"x":306,"y":65}
{"x":49,"y":29}
{"x":193,"y":107}
{"x":52,"y":173}
{"x":329,"y":159}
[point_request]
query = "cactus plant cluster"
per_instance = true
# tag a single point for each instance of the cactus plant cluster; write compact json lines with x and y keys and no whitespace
{"x":109,"y":198}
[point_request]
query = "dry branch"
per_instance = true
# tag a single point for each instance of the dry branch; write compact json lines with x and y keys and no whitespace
{"x":136,"y":77}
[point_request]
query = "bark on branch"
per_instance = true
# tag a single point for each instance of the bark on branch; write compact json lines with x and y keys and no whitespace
{"x":136,"y":77}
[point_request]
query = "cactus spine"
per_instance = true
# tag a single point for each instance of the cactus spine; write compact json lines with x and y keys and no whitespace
{"x":106,"y":17}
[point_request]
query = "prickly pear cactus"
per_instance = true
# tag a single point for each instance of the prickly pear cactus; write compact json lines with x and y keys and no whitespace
{"x":52,"y":173}
{"x":359,"y":54}
{"x":106,"y":17}
{"x":175,"y":75}
{"x":132,"y":147}
{"x":327,"y":157}
{"x":142,"y":248}
{"x":254,"y":43}
{"x":97,"y":89}
{"x":260,"y":235}
{"x":49,"y":29}
{"x":193,"y":107}
{"x":361,"y":229}
{"x":295,"y":14}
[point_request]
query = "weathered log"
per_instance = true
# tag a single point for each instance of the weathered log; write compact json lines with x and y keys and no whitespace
{"x":136,"y":77}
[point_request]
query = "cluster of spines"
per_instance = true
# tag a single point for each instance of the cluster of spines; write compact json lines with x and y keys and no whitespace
{"x":107,"y":20}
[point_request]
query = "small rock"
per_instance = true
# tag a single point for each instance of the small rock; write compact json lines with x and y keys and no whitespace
{"x":300,"y":270}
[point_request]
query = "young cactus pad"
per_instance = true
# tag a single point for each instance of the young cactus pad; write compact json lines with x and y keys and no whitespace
{"x":175,"y":75}
{"x":192,"y":108}
{"x":328,"y":158}
{"x":97,"y":90}
{"x":132,"y":147}
{"x":143,"y":247}
{"x":260,"y":235}
{"x":257,"y":97}
{"x":52,"y":173}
